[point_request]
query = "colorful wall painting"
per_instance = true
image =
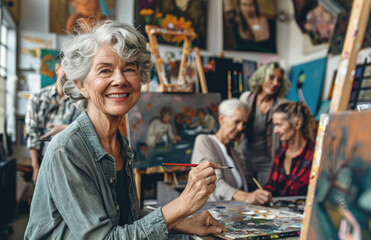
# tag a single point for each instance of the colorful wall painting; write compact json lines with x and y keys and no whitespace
{"x":64,"y":14}
{"x":341,"y":204}
{"x":307,"y":80}
{"x":48,"y":59}
{"x":170,"y":14}
{"x":245,"y":221}
{"x":163,"y":126}
{"x":248,"y":28}
{"x":30,"y":45}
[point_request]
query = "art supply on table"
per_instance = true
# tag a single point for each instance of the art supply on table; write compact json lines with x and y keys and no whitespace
{"x":191,"y":165}
{"x":246,"y":221}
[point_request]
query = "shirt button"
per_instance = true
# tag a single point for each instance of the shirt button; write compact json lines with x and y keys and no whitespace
{"x":117,"y":207}
{"x":112,"y":179}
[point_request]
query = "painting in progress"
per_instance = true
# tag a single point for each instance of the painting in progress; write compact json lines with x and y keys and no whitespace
{"x":245,"y":221}
{"x":341,"y":205}
{"x":163,"y":126}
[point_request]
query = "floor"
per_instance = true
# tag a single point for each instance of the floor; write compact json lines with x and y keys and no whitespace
{"x":19,"y":226}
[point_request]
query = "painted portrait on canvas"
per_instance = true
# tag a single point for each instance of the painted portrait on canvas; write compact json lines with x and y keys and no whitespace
{"x":163,"y":127}
{"x":64,"y":14}
{"x":341,"y":205}
{"x":174,"y":14}
{"x":247,"y":28}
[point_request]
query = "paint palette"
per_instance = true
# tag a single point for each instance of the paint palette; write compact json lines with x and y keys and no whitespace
{"x":246,"y":221}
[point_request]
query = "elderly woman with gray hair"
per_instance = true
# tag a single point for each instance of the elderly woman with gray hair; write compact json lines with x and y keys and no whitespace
{"x":230,"y":183}
{"x":86,"y":187}
{"x":268,"y":87}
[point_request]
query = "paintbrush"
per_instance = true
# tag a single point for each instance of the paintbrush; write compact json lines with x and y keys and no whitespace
{"x":192,"y":165}
{"x":257,"y":183}
{"x":261,"y":188}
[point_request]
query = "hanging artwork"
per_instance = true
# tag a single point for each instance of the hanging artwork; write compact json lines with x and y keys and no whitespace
{"x":163,"y":126}
{"x":249,"y":25}
{"x":316,"y":19}
{"x":306,"y":83}
{"x":254,"y":222}
{"x":338,"y":37}
{"x":341,"y":204}
{"x":174,"y":14}
{"x":64,"y":14}
{"x":49,"y":58}
{"x":30,"y":45}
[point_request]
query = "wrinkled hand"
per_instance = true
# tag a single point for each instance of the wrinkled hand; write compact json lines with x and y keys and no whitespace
{"x":201,"y":183}
{"x":55,"y":128}
{"x":201,"y":224}
{"x":259,"y":197}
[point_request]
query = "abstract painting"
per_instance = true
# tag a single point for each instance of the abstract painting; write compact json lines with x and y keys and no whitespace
{"x":48,"y":59}
{"x":31,"y":43}
{"x":163,"y":126}
{"x":249,"y":28}
{"x":245,"y":221}
{"x":307,"y":81}
{"x":178,"y":15}
{"x":338,"y":36}
{"x":341,"y":204}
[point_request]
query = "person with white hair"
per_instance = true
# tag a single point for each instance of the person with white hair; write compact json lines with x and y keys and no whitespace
{"x":86,"y":187}
{"x":231,"y":183}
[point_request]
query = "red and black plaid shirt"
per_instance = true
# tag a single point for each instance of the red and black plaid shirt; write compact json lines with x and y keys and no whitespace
{"x":296,"y":183}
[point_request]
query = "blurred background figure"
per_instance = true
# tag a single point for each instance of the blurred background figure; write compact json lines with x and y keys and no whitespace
{"x":268,"y":87}
{"x":231,"y":183}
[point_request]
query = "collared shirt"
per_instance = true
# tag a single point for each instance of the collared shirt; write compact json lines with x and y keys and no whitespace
{"x":45,"y":107}
{"x":295,"y":183}
{"x":75,"y":195}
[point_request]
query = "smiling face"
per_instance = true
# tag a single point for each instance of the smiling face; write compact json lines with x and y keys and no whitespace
{"x":112,"y":84}
{"x":232,"y":127}
{"x":282,"y":126}
{"x":273,"y":83}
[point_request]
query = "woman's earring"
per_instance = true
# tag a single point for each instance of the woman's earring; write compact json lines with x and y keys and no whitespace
{"x":87,"y":95}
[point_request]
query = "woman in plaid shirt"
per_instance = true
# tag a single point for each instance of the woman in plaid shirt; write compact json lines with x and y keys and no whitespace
{"x":292,"y":164}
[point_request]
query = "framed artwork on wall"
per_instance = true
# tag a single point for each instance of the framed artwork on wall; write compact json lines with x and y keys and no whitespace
{"x":249,"y":25}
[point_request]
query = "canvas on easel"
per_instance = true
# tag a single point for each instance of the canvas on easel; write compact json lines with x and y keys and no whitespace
{"x":341,"y":207}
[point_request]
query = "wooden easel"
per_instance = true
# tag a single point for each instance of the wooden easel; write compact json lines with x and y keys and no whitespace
{"x":341,"y":94}
{"x":182,"y":84}
{"x":165,"y":86}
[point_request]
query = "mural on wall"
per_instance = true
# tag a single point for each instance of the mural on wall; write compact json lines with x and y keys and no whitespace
{"x":163,"y":127}
{"x":341,"y":205}
{"x":306,"y":83}
{"x":174,"y":14}
{"x":48,"y":59}
{"x":64,"y":14}
{"x":249,"y":25}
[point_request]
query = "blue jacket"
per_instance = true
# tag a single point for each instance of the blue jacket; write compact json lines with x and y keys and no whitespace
{"x":75,"y":194}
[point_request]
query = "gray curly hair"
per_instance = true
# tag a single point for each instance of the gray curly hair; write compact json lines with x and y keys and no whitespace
{"x":80,"y":48}
{"x":262,"y":74}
